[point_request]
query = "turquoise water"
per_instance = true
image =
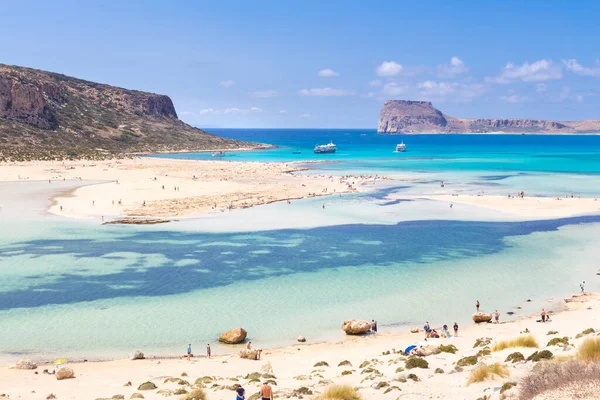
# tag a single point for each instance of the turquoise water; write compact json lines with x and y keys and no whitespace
{"x":75,"y":289}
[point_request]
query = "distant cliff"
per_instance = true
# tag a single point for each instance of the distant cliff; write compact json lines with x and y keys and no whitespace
{"x":44,"y":115}
{"x":405,"y":116}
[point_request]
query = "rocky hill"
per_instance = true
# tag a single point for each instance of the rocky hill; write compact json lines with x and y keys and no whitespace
{"x":44,"y":115}
{"x":405,"y":116}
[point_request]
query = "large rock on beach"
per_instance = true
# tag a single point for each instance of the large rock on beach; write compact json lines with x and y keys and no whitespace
{"x":301,"y":339}
{"x":356,"y":327}
{"x":25,"y":364}
{"x":65,"y":373}
{"x":137,"y":355}
{"x":248,"y":354}
{"x":427,"y":350}
{"x":234,"y":336}
{"x":480,"y":317}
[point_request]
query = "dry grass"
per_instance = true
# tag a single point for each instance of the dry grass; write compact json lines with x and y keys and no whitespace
{"x":521,"y":341}
{"x":196,"y":394}
{"x":589,"y":350}
{"x":339,"y":392}
{"x":484,"y":372}
{"x":561,"y":380}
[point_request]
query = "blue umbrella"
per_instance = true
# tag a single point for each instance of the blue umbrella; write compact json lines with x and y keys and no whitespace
{"x":409,"y":348}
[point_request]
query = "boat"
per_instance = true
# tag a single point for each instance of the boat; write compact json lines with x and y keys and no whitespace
{"x":325,"y":148}
{"x":218,"y":154}
{"x":401,"y":147}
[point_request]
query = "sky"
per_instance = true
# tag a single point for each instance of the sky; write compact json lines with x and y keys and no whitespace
{"x":321,"y":64}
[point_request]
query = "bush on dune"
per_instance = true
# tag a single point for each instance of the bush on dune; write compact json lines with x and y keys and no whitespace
{"x":562,"y":379}
{"x":196,"y":394}
{"x":521,"y":341}
{"x":589,"y":350}
{"x":484,"y":372}
{"x":339,"y":392}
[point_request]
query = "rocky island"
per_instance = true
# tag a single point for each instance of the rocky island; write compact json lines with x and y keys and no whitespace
{"x":44,"y":115}
{"x":406,"y":116}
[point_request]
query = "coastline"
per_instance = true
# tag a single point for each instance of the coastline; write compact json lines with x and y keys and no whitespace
{"x":292,"y":364}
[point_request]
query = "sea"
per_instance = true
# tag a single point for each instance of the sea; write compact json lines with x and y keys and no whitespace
{"x":76,"y":289}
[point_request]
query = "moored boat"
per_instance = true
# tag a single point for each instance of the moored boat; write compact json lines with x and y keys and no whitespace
{"x":325,"y":148}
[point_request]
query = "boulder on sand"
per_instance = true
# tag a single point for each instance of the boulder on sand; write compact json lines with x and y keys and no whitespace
{"x":480,"y":317}
{"x":248,"y":354}
{"x":427,"y":350}
{"x":301,"y":339}
{"x":234,"y":336}
{"x":25,"y":364}
{"x":414,"y":330}
{"x":65,"y":373}
{"x":356,"y":327}
{"x":137,"y":355}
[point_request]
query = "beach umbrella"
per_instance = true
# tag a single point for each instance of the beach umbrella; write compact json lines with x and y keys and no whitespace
{"x":409,"y":348}
{"x":61,"y":361}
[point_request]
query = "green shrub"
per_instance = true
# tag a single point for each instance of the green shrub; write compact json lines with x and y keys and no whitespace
{"x":416,"y":362}
{"x":321,"y":364}
{"x":507,"y":386}
{"x":558,"y":341}
{"x":551,"y":333}
{"x":347,"y":372}
{"x":486,"y":351}
{"x":466,"y":361}
{"x":540,"y":355}
{"x":482,"y":342}
{"x":515,"y":357}
{"x":448,"y":348}
{"x":439,"y":371}
{"x":413,"y":377}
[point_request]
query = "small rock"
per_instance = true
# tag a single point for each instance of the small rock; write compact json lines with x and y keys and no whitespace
{"x":301,"y":339}
{"x":137,"y":396}
{"x":51,"y":396}
{"x":64,"y":373}
{"x":128,"y":383}
{"x":25,"y":364}
{"x":137,"y":355}
{"x":414,"y":330}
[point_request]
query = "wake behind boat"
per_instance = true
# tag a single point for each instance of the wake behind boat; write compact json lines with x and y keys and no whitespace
{"x":325,"y":148}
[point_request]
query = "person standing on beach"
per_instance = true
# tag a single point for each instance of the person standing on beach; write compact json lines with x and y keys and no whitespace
{"x":497,"y":316}
{"x":189,"y":352}
{"x":373,"y":326}
{"x":581,"y":286}
{"x":455,"y":329}
{"x":266,"y":392}
{"x":477,"y":305}
{"x":249,"y":346}
{"x":543,"y":315}
{"x":208,"y":351}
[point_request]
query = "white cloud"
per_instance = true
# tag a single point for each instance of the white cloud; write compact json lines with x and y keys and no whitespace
{"x":389,"y":68}
{"x":326,"y":92}
{"x":283,"y":112}
{"x":205,"y":111}
{"x":514,"y":98}
{"x":392,"y":89}
{"x":228,"y":83}
{"x":328,"y":73}
{"x":375,"y":83}
{"x":230,"y":110}
{"x":455,"y":91}
{"x":541,"y":70}
{"x":574,"y":66}
{"x":305,"y":116}
{"x":264,"y":94}
{"x":454,"y":68}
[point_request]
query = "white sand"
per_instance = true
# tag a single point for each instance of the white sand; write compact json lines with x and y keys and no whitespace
{"x":293,"y":366}
{"x":175,"y":188}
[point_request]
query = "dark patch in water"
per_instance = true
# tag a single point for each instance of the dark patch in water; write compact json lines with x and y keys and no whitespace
{"x":410,"y":242}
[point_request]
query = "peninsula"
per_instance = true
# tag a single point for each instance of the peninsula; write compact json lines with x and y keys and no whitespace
{"x":406,"y":116}
{"x":44,"y":115}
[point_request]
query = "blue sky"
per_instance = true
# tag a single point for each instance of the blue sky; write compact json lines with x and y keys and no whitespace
{"x":327,"y":64}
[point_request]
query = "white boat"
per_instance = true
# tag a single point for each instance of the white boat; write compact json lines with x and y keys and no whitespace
{"x":218,"y":154}
{"x":401,"y":147}
{"x":325,"y":148}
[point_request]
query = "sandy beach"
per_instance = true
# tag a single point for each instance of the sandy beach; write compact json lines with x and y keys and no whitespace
{"x":175,"y":188}
{"x":377,"y":368}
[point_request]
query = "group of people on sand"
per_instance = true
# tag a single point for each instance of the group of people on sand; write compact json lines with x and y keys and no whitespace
{"x":265,"y":393}
{"x":432,"y":333}
{"x":190,"y":355}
